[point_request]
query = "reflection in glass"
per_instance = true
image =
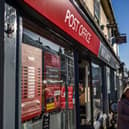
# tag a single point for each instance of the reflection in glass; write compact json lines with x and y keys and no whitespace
{"x":97,"y":90}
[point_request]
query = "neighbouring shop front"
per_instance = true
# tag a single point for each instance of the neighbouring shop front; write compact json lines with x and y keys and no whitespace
{"x":63,"y":69}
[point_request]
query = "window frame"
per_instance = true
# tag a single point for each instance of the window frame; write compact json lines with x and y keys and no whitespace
{"x":97,"y":10}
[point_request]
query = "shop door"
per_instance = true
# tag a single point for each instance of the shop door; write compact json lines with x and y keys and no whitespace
{"x":84,"y":95}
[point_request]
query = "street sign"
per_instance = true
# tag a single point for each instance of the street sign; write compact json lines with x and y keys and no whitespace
{"x":121,"y":39}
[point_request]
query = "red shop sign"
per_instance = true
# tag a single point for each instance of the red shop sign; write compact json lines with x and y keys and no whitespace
{"x":64,"y":15}
{"x":70,"y":97}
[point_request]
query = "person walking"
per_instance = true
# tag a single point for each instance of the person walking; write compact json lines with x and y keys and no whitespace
{"x":123,"y":110}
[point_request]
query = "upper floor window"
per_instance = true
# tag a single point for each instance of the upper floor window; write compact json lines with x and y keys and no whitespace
{"x":97,"y":10}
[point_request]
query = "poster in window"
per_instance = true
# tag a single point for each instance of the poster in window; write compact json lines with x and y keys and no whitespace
{"x":52,"y":97}
{"x":63,"y":99}
{"x":70,"y":97}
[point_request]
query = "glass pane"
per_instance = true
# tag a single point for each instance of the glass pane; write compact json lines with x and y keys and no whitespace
{"x":97,"y":90}
{"x":67,"y":74}
{"x":97,"y":10}
{"x":108,"y":79}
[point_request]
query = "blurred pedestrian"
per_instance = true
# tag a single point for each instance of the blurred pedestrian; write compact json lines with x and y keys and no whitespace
{"x":123,"y":110}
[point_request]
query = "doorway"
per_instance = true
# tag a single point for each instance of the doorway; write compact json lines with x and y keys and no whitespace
{"x":84,"y":94}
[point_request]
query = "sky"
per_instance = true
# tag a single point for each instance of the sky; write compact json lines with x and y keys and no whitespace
{"x":121,"y":12}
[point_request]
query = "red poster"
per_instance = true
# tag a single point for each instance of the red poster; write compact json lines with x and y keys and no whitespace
{"x":57,"y":96}
{"x":63,"y":99}
{"x":64,"y":15}
{"x":52,"y":97}
{"x":51,"y":75}
{"x":31,"y":102}
{"x":70,"y":97}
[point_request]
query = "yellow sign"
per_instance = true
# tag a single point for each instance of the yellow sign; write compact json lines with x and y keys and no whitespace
{"x":50,"y":106}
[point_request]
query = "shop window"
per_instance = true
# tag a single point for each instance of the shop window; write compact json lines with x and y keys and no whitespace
{"x":97,"y":91}
{"x":97,"y":10}
{"x":48,"y":92}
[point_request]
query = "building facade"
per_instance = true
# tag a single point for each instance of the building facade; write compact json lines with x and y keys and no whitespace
{"x":57,"y":64}
{"x":102,"y":14}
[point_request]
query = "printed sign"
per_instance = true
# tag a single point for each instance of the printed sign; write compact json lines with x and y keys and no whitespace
{"x":70,"y":97}
{"x":63,"y":97}
{"x":107,"y":56}
{"x":52,"y":97}
{"x":31,"y":75}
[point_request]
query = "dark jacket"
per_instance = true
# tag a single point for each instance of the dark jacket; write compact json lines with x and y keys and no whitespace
{"x":123,"y":114}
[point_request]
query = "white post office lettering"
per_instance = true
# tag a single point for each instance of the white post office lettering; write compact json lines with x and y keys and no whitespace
{"x":72,"y":21}
{"x":77,"y":27}
{"x":84,"y":33}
